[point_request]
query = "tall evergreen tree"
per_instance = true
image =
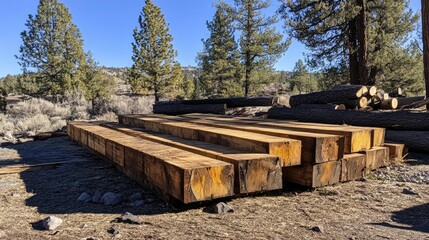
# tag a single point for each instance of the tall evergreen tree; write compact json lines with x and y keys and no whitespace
{"x":52,"y":52}
{"x":260,"y":44}
{"x":302,"y":80}
{"x":425,"y":34}
{"x":219,"y":60}
{"x":153,"y":53}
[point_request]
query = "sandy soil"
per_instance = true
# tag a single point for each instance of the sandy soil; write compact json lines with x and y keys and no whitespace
{"x":373,"y":209}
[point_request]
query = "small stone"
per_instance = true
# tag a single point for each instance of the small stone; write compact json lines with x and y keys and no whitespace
{"x":111,"y":199}
{"x":84,"y":197}
{"x":97,"y":196}
{"x":149,"y":200}
{"x":129,"y":218}
{"x":219,"y":208}
{"x":84,"y":225}
{"x":51,"y":222}
{"x":409,"y":191}
{"x":138,"y":203}
{"x":112,"y":230}
{"x":318,"y":229}
{"x":135,"y":197}
{"x":16,"y":195}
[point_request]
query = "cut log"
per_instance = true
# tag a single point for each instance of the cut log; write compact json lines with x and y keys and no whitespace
{"x":329,"y":106}
{"x":316,"y":147}
{"x":289,"y":150}
{"x":397,"y":152}
{"x":231,"y":102}
{"x":248,"y":167}
{"x":319,"y":175}
{"x":397,"y":92}
{"x":414,"y":140}
{"x":183,"y":175}
{"x":363,"y":89}
{"x":353,"y":167}
{"x":176,"y":109}
{"x":324,"y":97}
{"x":358,"y":103}
{"x":376,"y":158}
{"x":391,"y":103}
{"x":403,"y":101}
{"x":404,"y":120}
{"x":356,"y":138}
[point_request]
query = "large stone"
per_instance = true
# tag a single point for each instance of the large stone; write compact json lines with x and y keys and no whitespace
{"x":84,"y":197}
{"x":51,"y":222}
{"x":110,"y":198}
{"x":219,"y":208}
{"x":97,"y":196}
{"x":129,"y":218}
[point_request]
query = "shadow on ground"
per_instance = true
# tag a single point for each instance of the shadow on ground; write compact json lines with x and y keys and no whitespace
{"x":414,"y":218}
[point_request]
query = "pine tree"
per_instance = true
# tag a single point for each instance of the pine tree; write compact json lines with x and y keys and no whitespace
{"x":301,"y":79}
{"x":219,"y":61}
{"x":260,"y":44}
{"x":52,"y":51}
{"x":153,"y":53}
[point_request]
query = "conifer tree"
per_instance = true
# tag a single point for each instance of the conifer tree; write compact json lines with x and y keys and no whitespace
{"x":219,"y":61}
{"x":260,"y":44}
{"x":153,"y":53}
{"x":301,"y":79}
{"x":52,"y":53}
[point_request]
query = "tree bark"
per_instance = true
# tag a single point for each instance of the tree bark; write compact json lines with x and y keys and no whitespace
{"x":176,"y":109}
{"x":403,"y":101}
{"x":414,"y":140}
{"x":425,"y":33}
{"x":401,"y":120}
{"x":324,"y":97}
{"x":353,"y":56}
{"x":363,"y":43}
{"x":232,"y":102}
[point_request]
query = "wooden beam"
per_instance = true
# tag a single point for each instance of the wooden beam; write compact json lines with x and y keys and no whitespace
{"x":319,"y":175}
{"x":316,"y":147}
{"x":248,"y":167}
{"x":376,"y":158}
{"x":355,"y":138}
{"x":397,"y":152}
{"x":183,"y":175}
{"x":352,"y":167}
{"x":289,"y":150}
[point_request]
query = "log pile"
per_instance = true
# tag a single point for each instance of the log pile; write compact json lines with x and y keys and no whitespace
{"x":215,"y":105}
{"x":200,"y":157}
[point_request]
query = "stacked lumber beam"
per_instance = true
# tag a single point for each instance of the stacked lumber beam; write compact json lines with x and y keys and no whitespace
{"x":199,"y":157}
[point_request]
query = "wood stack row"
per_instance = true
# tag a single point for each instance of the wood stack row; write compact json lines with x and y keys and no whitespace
{"x":216,"y":106}
{"x":199,"y":157}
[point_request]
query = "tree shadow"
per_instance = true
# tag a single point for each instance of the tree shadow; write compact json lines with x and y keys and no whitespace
{"x":414,"y":218}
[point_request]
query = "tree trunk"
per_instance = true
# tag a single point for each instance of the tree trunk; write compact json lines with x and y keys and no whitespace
{"x":363,"y":45}
{"x":324,"y":97}
{"x":177,"y":109}
{"x":425,"y":33}
{"x":402,"y":120}
{"x":414,"y":140}
{"x":353,"y":57}
{"x":403,"y":101}
{"x":329,"y":106}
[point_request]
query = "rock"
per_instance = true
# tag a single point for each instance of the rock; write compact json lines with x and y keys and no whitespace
{"x":409,"y":191}
{"x":149,"y":200}
{"x":110,"y":198}
{"x":113,"y":230}
{"x":138,"y":203}
{"x":219,"y":208}
{"x":16,"y":195}
{"x":76,"y":184}
{"x":135,"y":197}
{"x":84,"y":225}
{"x":97,"y":196}
{"x":84,"y":197}
{"x":318,"y":229}
{"x":129,"y":218}
{"x":51,"y":222}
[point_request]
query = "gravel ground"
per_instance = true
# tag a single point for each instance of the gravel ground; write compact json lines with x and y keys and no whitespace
{"x":392,"y":203}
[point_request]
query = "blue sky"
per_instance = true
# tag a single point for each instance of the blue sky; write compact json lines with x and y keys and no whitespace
{"x":106,"y":26}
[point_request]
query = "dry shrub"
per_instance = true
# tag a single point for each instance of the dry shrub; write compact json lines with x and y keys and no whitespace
{"x":123,"y":105}
{"x":5,"y":124}
{"x":36,"y":106}
{"x":79,"y":106}
{"x":36,"y":123}
{"x":109,"y":117}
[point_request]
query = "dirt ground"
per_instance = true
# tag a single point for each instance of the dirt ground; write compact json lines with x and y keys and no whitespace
{"x":391,"y":204}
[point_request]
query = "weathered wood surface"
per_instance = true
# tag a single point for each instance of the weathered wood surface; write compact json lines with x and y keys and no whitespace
{"x":376,"y":158}
{"x":185,"y":176}
{"x":402,"y":101}
{"x":401,"y":120}
{"x":326,"y":96}
{"x":316,"y":147}
{"x":356,"y":103}
{"x":391,"y":103}
{"x":319,"y":175}
{"x":364,"y":90}
{"x":414,"y":140}
{"x":248,"y":167}
{"x":355,"y":138}
{"x":397,"y":152}
{"x":352,"y":167}
{"x":329,"y":106}
{"x":176,"y":109}
{"x":289,"y":150}
{"x":230,"y":102}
